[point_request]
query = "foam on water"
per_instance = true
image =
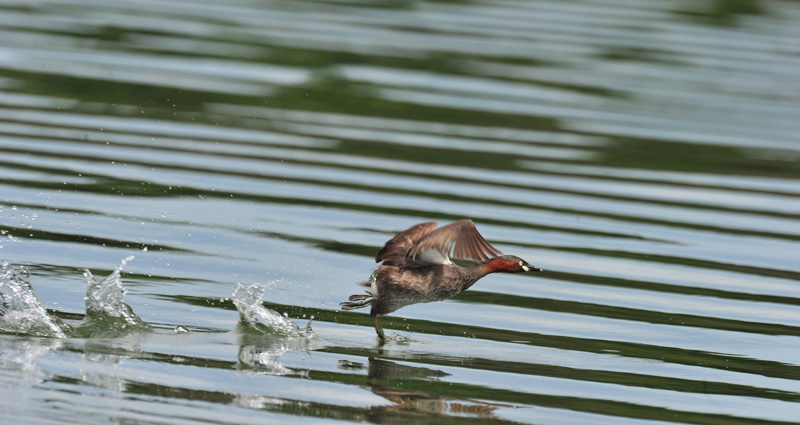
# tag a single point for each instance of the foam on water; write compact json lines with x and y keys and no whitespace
{"x":21,"y":311}
{"x":253,"y":315}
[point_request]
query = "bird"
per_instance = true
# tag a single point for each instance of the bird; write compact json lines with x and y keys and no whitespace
{"x":417,"y":267}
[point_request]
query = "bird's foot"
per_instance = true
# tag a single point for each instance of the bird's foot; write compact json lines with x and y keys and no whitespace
{"x":357,"y":301}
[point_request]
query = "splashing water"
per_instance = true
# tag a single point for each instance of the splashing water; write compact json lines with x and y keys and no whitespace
{"x":21,"y":311}
{"x":106,"y":310}
{"x":253,"y":315}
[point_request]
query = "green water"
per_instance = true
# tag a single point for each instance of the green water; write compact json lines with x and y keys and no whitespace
{"x":644,"y":154}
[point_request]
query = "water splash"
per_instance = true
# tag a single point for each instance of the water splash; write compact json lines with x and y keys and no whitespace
{"x":21,"y":311}
{"x":254,"y":316}
{"x":106,"y":311}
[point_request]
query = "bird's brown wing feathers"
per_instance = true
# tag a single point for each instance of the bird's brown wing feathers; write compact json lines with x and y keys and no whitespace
{"x":461,"y":237}
{"x":395,"y":250}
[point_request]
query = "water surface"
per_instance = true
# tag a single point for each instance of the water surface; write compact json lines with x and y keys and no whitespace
{"x":644,"y":154}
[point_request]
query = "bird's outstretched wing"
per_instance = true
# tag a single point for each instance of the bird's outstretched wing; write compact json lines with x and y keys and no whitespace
{"x":459,"y":240}
{"x":395,"y":250}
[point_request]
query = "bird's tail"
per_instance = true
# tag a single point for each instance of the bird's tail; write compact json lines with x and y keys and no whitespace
{"x":358,"y":301}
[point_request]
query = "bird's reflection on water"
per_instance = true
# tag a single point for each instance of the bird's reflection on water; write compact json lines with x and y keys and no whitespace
{"x":399,"y":384}
{"x":402,"y":385}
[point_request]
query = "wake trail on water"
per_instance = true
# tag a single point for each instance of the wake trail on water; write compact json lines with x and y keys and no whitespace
{"x":107,"y":314}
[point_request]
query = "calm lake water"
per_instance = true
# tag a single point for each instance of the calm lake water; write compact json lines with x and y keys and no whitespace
{"x":645,"y":154}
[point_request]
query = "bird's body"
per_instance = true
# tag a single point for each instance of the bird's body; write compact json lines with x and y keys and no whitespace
{"x":416,"y":267}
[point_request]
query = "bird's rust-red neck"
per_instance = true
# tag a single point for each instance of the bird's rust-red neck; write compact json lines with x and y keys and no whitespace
{"x":500,"y":265}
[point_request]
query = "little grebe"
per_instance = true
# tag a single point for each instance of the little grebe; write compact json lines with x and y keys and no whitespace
{"x":417,"y":268}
